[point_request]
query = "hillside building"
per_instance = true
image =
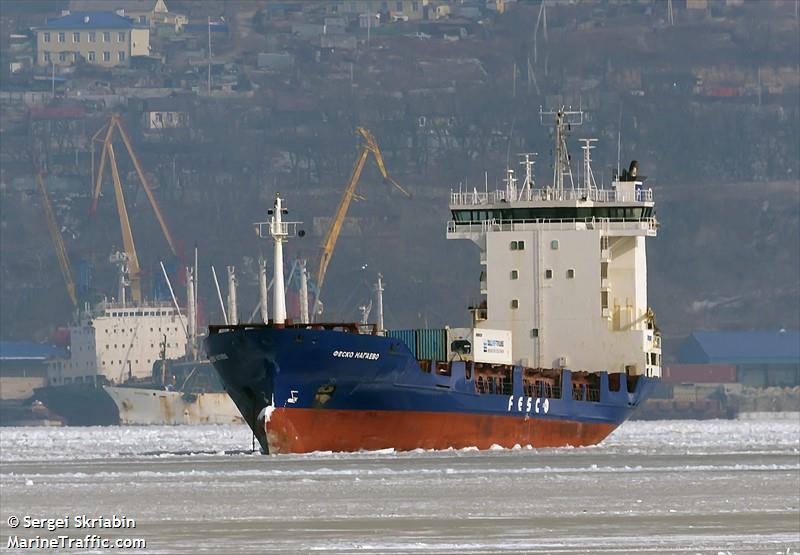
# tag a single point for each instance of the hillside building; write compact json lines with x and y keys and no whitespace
{"x":99,"y":38}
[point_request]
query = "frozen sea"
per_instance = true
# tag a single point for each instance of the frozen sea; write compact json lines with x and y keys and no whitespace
{"x":712,"y":487}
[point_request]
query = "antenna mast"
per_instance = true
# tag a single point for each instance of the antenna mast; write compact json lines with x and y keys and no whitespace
{"x":530,"y":183}
{"x":564,"y":120}
{"x":588,"y":177}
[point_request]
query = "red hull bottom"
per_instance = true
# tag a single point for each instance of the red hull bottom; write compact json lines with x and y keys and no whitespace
{"x":306,"y":430}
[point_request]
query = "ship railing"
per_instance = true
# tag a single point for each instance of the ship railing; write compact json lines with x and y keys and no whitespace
{"x":565,"y":224}
{"x":472,"y":198}
{"x":106,"y":308}
{"x":286,"y":229}
{"x":347,"y":327}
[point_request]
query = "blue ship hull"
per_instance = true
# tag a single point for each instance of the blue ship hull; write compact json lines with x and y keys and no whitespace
{"x":303,"y":389}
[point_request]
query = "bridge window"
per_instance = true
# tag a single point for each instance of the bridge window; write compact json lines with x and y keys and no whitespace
{"x":514,"y":274}
{"x":554,"y":244}
{"x":514,"y":303}
{"x":548,"y":274}
{"x":535,"y":332}
{"x":570,"y":273}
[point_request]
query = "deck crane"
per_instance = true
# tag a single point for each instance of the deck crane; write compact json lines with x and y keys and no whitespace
{"x":58,"y":241}
{"x":370,"y":145}
{"x":115,"y":123}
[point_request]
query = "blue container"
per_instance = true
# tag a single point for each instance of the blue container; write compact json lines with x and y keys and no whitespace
{"x":431,"y":345}
{"x":406,"y":336}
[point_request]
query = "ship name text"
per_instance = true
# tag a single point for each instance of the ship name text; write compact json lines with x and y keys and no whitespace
{"x":365,"y":355}
{"x":526,"y":404}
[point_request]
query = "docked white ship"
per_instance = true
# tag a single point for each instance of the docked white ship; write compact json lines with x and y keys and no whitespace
{"x":135,"y":363}
{"x":146,"y":406}
{"x":185,"y":391}
{"x":112,"y":343}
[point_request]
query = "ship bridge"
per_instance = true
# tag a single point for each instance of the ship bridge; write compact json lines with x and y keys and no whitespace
{"x":627,"y":207}
{"x":564,"y":266}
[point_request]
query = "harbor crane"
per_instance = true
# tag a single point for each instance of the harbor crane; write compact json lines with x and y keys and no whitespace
{"x":58,"y":240}
{"x":134,"y":270}
{"x":370,"y":145}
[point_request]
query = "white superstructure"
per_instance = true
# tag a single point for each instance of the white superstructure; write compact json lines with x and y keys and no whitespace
{"x":564,"y":266}
{"x":120,"y":341}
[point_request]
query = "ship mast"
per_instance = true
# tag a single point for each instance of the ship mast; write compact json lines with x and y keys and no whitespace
{"x":121,"y":261}
{"x":233,"y":312}
{"x":191,"y":314}
{"x":303,"y":292}
{"x":279,"y":231}
{"x":278,"y":234}
{"x":588,"y":177}
{"x":530,"y":183}
{"x":564,"y":120}
{"x":262,"y":289}
{"x":379,"y":302}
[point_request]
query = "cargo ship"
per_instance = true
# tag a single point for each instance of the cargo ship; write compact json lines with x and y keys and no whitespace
{"x":562,"y":346}
{"x":112,"y":342}
{"x":135,"y":364}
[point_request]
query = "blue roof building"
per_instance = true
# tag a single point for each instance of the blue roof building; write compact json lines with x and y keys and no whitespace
{"x":23,"y":367}
{"x":762,"y":358}
{"x":102,"y":38}
{"x":740,"y":347}
{"x":87,"y":21}
{"x":28,"y":350}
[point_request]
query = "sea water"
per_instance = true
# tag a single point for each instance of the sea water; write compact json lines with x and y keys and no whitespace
{"x":711,"y":487}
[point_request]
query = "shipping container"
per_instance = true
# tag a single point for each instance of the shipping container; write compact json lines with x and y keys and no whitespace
{"x":432,"y":344}
{"x":492,"y":346}
{"x":406,"y":336}
{"x":459,"y":344}
{"x":699,"y":373}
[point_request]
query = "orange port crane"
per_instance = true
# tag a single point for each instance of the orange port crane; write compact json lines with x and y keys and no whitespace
{"x":58,"y":241}
{"x":370,"y":145}
{"x":134,"y":270}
